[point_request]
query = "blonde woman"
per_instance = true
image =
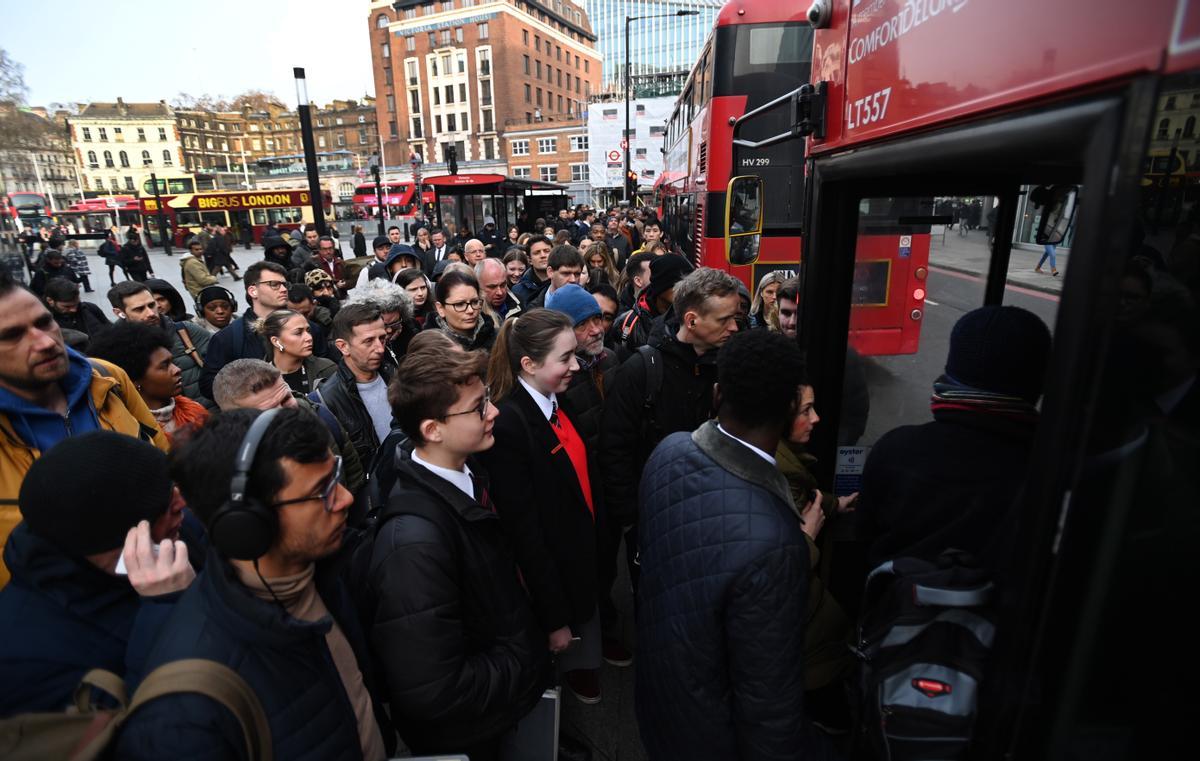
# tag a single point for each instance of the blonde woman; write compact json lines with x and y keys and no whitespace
{"x":764,"y":312}
{"x":598,"y":256}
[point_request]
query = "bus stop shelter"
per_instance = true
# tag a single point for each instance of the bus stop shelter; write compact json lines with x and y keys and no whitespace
{"x":469,"y":198}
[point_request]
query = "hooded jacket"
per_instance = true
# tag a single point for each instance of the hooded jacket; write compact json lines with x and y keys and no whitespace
{"x":284,"y":660}
{"x":528,"y":287}
{"x":276,"y":249}
{"x":721,"y":606}
{"x":454,"y":634}
{"x":629,"y":432}
{"x":196,"y":276}
{"x":60,"y":617}
{"x":88,"y":319}
{"x":95,"y":400}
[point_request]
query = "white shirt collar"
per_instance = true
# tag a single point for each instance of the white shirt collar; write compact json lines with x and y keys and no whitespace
{"x":748,"y":445}
{"x":460,"y":478}
{"x":547,"y":404}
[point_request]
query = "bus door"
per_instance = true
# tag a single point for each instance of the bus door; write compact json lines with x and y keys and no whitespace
{"x":1103,"y":518}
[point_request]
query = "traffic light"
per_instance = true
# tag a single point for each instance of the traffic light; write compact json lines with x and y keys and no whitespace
{"x":631,"y":183}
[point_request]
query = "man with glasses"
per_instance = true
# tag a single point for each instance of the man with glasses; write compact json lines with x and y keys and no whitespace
{"x":450,"y":693}
{"x":357,"y":393}
{"x":278,"y":613}
{"x":266,"y":291}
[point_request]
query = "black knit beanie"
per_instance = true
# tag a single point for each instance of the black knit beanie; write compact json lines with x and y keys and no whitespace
{"x":1003,"y":349}
{"x":87,"y":491}
{"x":665,"y":273}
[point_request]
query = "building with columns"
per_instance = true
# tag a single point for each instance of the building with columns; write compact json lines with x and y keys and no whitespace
{"x":435,"y":66}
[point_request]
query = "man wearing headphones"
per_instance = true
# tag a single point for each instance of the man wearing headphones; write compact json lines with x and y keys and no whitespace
{"x":270,"y":604}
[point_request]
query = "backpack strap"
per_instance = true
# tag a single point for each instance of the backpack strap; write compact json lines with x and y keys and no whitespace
{"x":626,"y":325}
{"x":103,"y":680}
{"x":218,"y":682}
{"x":188,"y":345}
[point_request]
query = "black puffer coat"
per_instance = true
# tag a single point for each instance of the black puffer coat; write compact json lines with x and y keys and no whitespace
{"x":629,"y":432}
{"x":721,"y":606}
{"x":453,"y":632}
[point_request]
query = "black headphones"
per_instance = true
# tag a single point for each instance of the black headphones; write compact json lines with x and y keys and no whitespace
{"x":228,"y":295}
{"x":244,"y":528}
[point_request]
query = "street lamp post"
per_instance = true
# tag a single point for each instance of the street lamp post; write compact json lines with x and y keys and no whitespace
{"x":310,"y":152}
{"x":631,"y":187}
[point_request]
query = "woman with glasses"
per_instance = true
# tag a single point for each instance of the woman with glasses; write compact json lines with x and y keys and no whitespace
{"x":460,"y":312}
{"x":542,"y":489}
{"x":290,"y":348}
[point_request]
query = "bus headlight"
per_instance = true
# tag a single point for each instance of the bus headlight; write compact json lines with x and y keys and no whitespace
{"x":916,"y":314}
{"x":919,"y":294}
{"x":920,"y":273}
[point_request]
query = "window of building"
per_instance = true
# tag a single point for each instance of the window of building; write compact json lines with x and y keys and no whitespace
{"x":341,"y":140}
{"x":166,"y":158}
{"x":410,"y":71}
{"x":447,"y":5}
{"x":129,"y":183}
{"x":489,"y":149}
{"x":93,"y":162}
{"x":521,"y":172}
{"x":519,"y":147}
{"x":437,"y":125}
{"x":537,"y":43}
{"x":416,"y":128}
{"x":141,"y":134}
{"x":410,"y":13}
{"x":391,"y":103}
{"x":579,"y":142}
{"x":639,"y":153}
{"x":381,"y":21}
{"x":112,"y":183}
{"x":449,"y":93}
{"x":433,"y":66}
{"x":528,"y":93}
{"x":586,"y":66}
{"x":525,"y":38}
{"x":108,"y":159}
{"x":320,"y":123}
{"x":445,"y":36}
{"x":104,"y":134}
{"x":579,"y":173}
{"x":483,"y":30}
{"x":433,"y":40}
{"x":117,"y":131}
{"x":489,"y":124}
{"x":123,"y":157}
{"x":87,"y":131}
{"x":526,"y":65}
{"x":485,"y":92}
{"x":466,"y":125}
{"x":547,"y":144}
{"x":414,"y":99}
{"x":485,"y":62}
{"x":320,"y":142}
{"x":451,"y":123}
{"x":558,"y":72}
{"x":410,"y":43}
{"x":560,"y":104}
{"x":445,"y":64}
{"x":385,"y":49}
{"x":539,"y":96}
{"x":437,"y":96}
{"x":576,"y":85}
{"x":362,"y":136}
{"x":458,"y":34}
{"x":548,"y":173}
{"x":462,"y":93}
{"x":462,"y":64}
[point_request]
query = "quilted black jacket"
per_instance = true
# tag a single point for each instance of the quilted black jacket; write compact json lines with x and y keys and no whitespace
{"x":453,"y":630}
{"x":721,"y":606}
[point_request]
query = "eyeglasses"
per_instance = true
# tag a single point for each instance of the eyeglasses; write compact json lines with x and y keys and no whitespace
{"x":326,"y":495}
{"x":275,"y":285}
{"x":462,"y":306}
{"x":480,"y":409}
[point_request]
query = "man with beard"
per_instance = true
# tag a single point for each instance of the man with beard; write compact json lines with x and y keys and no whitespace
{"x":49,"y":392}
{"x":62,"y":296}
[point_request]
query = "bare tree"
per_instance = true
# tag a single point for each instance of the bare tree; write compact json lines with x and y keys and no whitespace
{"x":12,"y":80}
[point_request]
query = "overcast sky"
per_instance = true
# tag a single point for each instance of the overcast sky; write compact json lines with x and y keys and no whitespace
{"x":143,"y":50}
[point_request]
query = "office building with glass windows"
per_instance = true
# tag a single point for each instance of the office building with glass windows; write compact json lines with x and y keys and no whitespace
{"x":656,"y":45}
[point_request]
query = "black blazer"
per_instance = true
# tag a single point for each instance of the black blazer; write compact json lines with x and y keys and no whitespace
{"x":542,"y":508}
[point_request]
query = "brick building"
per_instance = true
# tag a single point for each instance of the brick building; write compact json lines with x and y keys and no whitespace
{"x":216,"y":142}
{"x":435,"y":64}
{"x":551,"y":152}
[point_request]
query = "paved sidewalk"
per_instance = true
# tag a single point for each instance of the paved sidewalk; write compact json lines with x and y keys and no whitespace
{"x":970,"y":255}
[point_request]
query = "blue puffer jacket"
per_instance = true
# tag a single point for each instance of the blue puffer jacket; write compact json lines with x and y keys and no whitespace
{"x":285,"y":661}
{"x":61,"y":617}
{"x":721,"y":606}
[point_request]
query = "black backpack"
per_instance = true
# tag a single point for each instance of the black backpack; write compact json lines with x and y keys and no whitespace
{"x":924,"y":637}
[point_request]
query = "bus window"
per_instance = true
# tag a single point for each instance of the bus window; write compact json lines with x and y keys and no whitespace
{"x":920,"y":265}
{"x":289,"y":215}
{"x":216,"y":217}
{"x":187,"y":218}
{"x":260,"y":216}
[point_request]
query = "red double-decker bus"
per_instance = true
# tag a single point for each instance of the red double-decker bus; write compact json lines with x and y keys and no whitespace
{"x":241,"y":211}
{"x":399,"y":201}
{"x":734,"y":101}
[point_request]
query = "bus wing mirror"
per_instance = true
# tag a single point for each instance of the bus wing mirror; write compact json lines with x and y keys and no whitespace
{"x":743,"y":219}
{"x":1058,"y":210}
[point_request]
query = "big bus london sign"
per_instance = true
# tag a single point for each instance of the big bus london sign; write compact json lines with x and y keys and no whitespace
{"x":238,"y":200}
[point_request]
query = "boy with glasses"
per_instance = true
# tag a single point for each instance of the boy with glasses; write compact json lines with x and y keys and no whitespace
{"x":455,"y":635}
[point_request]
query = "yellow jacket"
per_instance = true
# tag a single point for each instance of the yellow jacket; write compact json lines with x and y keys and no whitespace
{"x":119,"y":408}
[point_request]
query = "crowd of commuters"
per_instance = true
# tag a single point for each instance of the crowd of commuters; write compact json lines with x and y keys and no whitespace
{"x":394,"y":500}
